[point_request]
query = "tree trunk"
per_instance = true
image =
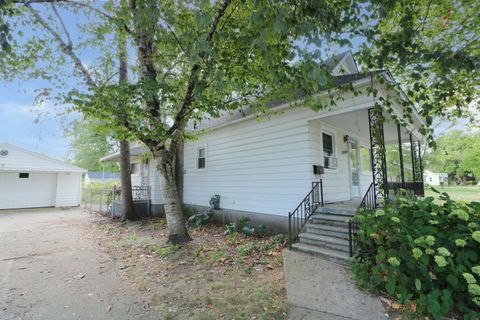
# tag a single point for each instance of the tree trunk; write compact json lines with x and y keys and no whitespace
{"x":179,"y":169}
{"x":171,"y":197}
{"x":128,"y":211}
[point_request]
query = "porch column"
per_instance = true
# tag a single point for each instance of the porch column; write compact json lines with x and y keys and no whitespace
{"x":412,"y":154}
{"x":400,"y":152}
{"x":377,"y":154}
{"x":420,"y":164}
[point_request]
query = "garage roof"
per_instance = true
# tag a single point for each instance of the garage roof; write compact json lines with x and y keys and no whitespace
{"x":14,"y":158}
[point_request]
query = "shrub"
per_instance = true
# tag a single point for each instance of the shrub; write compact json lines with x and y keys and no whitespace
{"x":200,"y":219}
{"x":423,"y":253}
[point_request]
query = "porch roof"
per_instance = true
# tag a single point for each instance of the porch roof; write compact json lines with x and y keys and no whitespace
{"x":135,"y":151}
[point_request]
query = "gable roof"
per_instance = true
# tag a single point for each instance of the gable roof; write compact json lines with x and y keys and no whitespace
{"x":14,"y":158}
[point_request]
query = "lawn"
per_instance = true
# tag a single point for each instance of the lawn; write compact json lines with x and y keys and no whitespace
{"x":215,"y":276}
{"x":463,"y":193}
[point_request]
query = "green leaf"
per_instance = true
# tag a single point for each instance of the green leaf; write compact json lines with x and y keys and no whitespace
{"x":452,"y":280}
{"x":418,"y":284}
{"x":390,"y":287}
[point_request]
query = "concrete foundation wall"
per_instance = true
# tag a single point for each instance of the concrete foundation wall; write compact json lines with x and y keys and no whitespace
{"x":274,"y":223}
{"x":141,"y":208}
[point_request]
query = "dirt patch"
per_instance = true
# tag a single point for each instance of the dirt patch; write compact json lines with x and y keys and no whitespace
{"x":215,"y":276}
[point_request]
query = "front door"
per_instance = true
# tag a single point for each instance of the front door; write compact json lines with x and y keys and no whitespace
{"x":353,"y":158}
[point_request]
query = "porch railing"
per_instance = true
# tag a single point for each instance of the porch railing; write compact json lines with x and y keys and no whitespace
{"x":138,"y":193}
{"x":299,"y":217}
{"x":369,"y":200}
{"x":413,"y":188}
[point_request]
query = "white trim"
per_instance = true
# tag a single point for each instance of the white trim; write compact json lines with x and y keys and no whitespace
{"x":197,"y":148}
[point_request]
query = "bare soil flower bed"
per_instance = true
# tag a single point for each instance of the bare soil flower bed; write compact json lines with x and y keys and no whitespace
{"x":215,"y":276}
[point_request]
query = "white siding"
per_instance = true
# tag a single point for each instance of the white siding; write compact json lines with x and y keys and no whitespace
{"x":254,"y":166}
{"x":336,"y":182}
{"x":154,"y":183}
{"x":266,"y":166}
{"x":69,"y":188}
{"x":23,"y":160}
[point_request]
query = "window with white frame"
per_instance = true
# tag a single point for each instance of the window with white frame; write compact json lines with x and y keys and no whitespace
{"x":134,"y":168}
{"x":328,"y":145}
{"x":201,"y":157}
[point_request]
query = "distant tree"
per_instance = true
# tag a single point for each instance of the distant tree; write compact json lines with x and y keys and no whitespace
{"x":89,"y":142}
{"x":457,"y":154}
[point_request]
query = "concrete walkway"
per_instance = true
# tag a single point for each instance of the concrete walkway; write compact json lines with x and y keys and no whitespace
{"x":322,"y":290}
{"x":52,"y":268}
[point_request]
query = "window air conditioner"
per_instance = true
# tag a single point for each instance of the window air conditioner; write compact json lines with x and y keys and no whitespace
{"x":330,"y":162}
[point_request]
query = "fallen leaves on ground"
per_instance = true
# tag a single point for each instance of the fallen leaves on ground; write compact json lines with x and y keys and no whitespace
{"x":215,"y":276}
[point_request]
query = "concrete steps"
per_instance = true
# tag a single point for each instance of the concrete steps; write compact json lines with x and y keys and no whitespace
{"x":326,"y":235}
{"x":327,"y":254}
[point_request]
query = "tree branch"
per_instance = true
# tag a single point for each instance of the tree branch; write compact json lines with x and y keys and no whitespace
{"x":67,"y":49}
{"x":76,"y":3}
{"x":192,"y":81}
{"x":54,"y":8}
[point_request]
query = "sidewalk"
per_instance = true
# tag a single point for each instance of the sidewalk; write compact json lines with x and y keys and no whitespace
{"x":322,"y":290}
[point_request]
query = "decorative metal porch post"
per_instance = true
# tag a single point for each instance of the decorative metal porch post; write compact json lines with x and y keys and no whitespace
{"x":412,"y":154}
{"x":417,"y":166}
{"x":377,"y":154}
{"x":400,"y":151}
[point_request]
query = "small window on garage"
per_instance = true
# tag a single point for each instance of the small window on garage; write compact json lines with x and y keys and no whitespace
{"x":201,"y":157}
{"x":23,"y":175}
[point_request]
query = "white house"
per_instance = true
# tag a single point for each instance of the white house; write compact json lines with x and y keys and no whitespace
{"x":435,"y":178}
{"x":264,"y":167}
{"x":30,"y":180}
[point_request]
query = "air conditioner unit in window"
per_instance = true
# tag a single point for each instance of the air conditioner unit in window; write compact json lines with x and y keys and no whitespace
{"x":330,"y":162}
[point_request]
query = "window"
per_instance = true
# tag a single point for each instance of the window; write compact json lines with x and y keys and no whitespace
{"x":201,"y":157}
{"x":134,"y":168}
{"x":328,"y":141}
{"x":23,"y":175}
{"x":327,"y":144}
{"x":365,"y":159}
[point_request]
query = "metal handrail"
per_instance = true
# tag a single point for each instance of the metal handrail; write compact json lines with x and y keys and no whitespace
{"x":302,"y":213}
{"x":369,"y":202}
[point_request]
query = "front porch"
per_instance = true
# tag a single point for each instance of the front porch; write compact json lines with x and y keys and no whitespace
{"x":375,"y":158}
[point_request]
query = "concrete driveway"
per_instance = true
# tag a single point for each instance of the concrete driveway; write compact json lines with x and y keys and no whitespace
{"x":51,"y":267}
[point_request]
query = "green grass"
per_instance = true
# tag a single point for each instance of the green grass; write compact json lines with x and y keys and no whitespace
{"x":460,"y":193}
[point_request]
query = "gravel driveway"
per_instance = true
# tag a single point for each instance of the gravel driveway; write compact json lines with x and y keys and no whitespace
{"x":51,"y":267}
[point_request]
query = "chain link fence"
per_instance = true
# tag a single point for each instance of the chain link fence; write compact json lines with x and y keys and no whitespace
{"x":97,"y":199}
{"x":105,"y":199}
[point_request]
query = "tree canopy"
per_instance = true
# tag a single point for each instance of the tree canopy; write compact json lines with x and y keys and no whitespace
{"x":196,"y":59}
{"x":457,"y":154}
{"x":89,"y":143}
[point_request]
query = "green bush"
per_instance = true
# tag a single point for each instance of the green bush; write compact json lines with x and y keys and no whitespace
{"x":422,"y":253}
{"x":199,"y":219}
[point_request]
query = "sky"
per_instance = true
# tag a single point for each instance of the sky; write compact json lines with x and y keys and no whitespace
{"x":39,"y":128}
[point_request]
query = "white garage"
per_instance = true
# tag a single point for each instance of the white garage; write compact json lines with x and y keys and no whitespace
{"x":32,"y":180}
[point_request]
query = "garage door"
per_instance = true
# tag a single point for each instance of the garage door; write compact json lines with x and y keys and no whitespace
{"x":27,"y":190}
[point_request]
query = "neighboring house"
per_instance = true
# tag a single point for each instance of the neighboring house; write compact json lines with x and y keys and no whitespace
{"x":29,"y":180}
{"x":101,"y":177}
{"x":264,"y":168}
{"x":435,"y":178}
